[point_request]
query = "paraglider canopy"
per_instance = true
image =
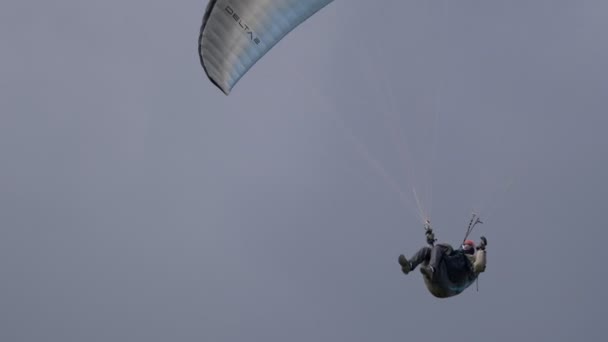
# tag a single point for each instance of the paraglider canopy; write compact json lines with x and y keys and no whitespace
{"x":235,"y":34}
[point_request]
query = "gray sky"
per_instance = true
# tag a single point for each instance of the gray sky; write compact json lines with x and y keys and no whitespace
{"x":138,"y":203}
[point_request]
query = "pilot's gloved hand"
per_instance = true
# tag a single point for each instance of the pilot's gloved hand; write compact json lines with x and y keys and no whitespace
{"x":482,"y":244}
{"x":430,"y":237}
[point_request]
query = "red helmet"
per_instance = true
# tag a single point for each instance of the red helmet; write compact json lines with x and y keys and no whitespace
{"x":468,"y":246}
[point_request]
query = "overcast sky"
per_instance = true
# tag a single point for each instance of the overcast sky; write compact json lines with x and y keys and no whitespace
{"x":139,"y":203}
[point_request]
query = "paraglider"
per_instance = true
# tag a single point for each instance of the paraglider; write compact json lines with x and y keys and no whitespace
{"x":235,"y":34}
{"x":446,"y":271}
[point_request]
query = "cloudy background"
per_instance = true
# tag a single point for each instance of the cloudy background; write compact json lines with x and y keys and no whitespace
{"x":138,"y":203}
